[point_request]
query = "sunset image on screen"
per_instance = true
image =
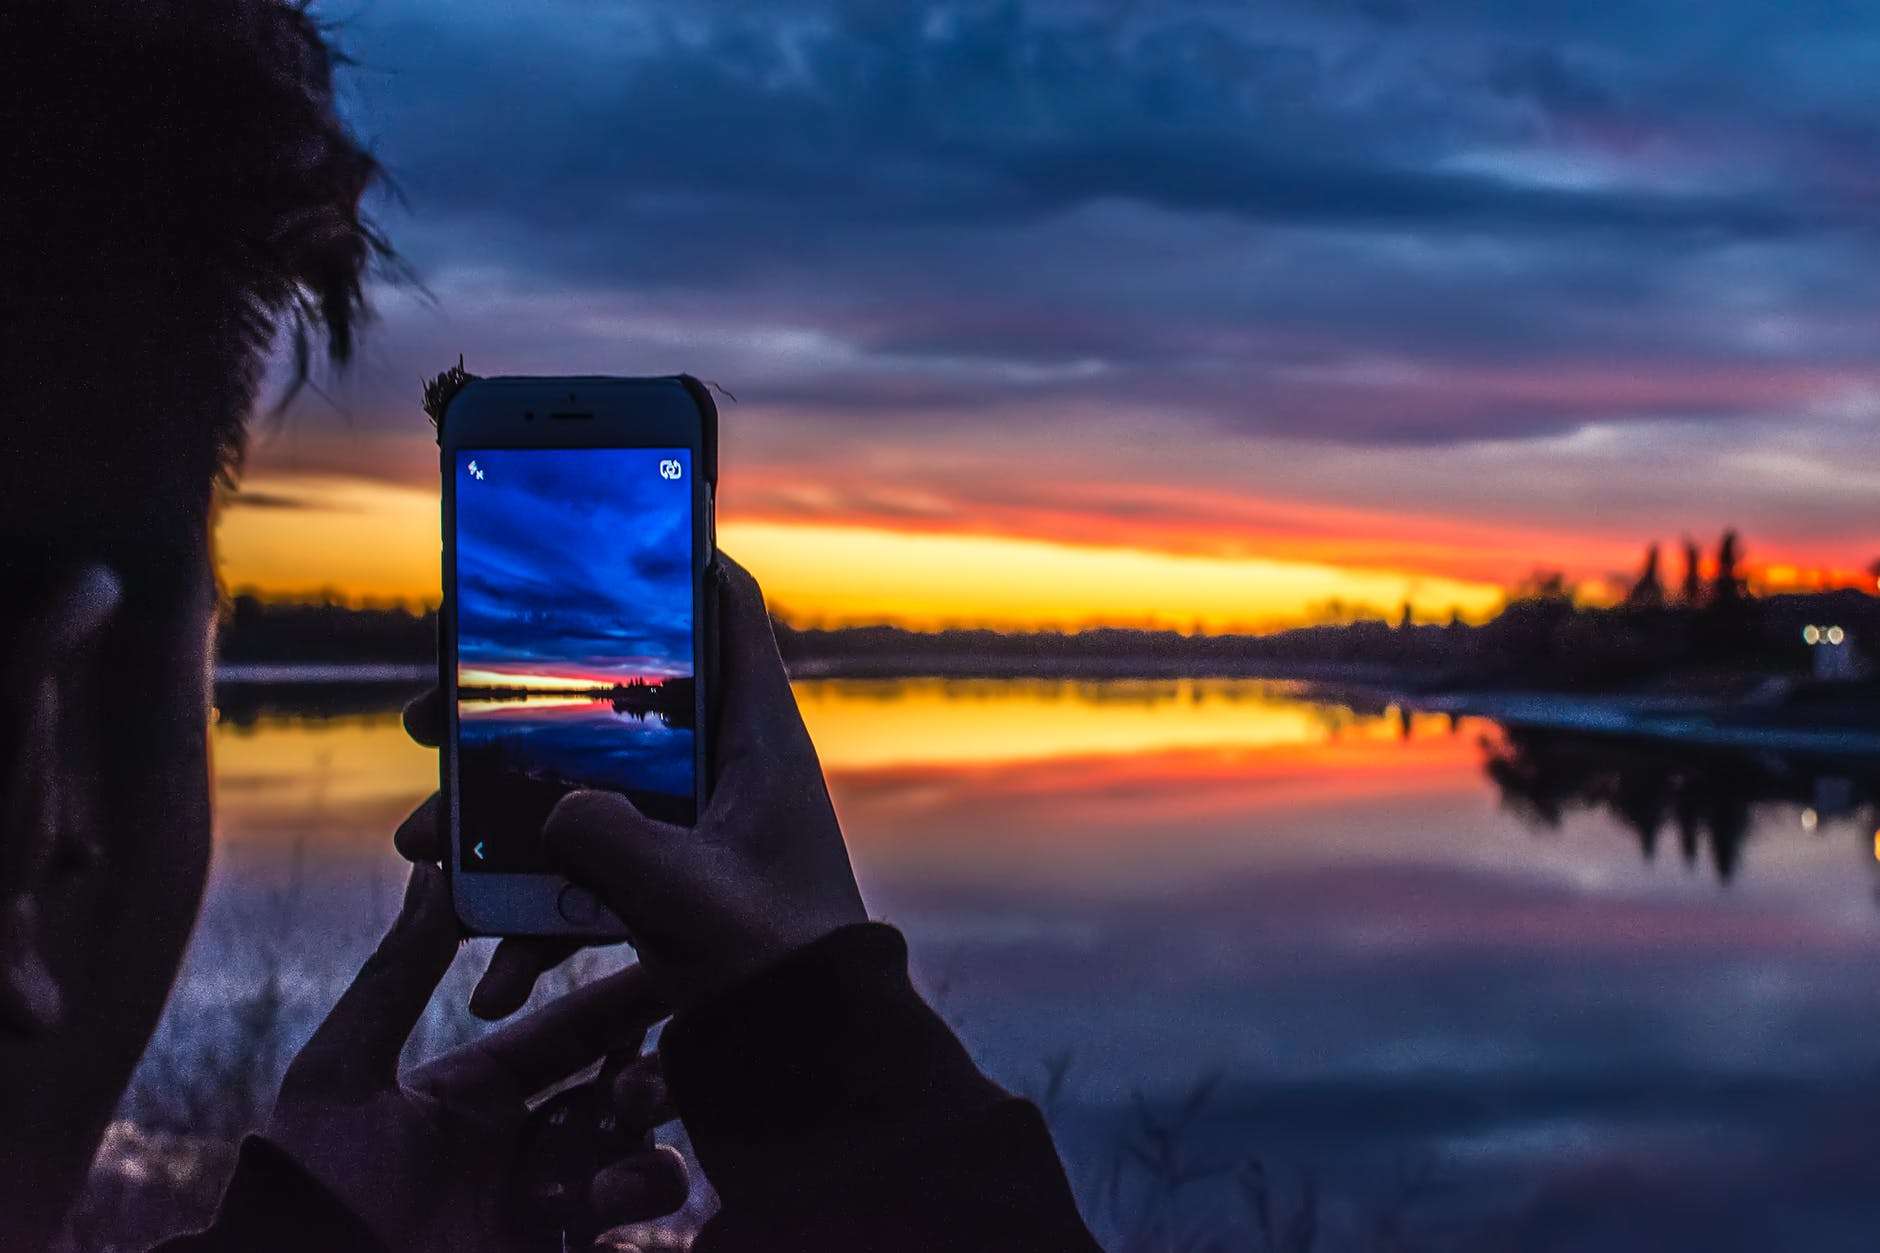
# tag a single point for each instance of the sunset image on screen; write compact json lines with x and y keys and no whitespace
{"x":574,"y":638}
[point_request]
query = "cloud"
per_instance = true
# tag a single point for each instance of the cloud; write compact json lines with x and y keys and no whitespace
{"x":1322,"y":232}
{"x":959,"y":166}
{"x":574,"y":563}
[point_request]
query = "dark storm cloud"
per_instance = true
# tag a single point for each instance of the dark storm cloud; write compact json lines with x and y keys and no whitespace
{"x":574,"y":562}
{"x":946,"y":205}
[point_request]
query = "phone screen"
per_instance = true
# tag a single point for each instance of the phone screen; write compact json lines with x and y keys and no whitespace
{"x":574,"y":640}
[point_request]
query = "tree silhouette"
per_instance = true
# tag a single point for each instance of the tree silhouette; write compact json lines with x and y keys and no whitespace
{"x":1727,"y":587}
{"x":1545,"y":585}
{"x":1649,"y":591}
{"x":1693,"y":592}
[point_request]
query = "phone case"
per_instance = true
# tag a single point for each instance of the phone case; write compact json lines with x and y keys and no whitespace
{"x":708,"y":606}
{"x":441,"y":390}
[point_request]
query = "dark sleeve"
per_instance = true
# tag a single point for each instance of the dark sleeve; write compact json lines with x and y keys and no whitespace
{"x":831,"y":1108}
{"x":272,"y":1204}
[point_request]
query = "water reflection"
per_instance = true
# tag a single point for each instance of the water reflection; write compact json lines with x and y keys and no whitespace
{"x":1338,"y":908}
{"x":1706,"y":800}
{"x":871,"y":724}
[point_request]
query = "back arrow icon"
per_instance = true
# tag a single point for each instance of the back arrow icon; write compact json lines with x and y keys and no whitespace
{"x":478,"y":850}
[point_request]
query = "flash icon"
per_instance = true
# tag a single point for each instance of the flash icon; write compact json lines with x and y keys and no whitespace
{"x":476,"y":471}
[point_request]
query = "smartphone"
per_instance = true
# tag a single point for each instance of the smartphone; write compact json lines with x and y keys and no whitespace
{"x":575,"y":631}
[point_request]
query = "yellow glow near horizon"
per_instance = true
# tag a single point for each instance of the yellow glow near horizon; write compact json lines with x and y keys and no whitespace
{"x":845,"y":575}
{"x":471,"y":676}
{"x":370,"y":540}
{"x":360,"y":539}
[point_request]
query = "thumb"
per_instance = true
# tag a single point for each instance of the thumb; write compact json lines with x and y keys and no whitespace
{"x":355,"y":1051}
{"x":630,"y":861}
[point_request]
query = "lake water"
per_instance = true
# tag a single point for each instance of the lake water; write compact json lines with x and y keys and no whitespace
{"x":520,"y":756}
{"x":585,"y":739}
{"x":1448,"y":987}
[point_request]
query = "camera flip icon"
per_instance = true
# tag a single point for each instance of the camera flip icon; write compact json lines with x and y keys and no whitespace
{"x":670,"y":469}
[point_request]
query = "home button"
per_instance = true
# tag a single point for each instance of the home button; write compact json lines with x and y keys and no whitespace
{"x":579,"y":907}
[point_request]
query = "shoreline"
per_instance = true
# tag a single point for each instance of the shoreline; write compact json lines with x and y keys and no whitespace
{"x":1693,"y":721}
{"x":1699,"y":721}
{"x":1094,"y":668}
{"x":321,"y":673}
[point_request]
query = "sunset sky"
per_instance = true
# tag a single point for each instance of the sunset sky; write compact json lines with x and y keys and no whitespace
{"x":1188,"y":313}
{"x":573,"y":567}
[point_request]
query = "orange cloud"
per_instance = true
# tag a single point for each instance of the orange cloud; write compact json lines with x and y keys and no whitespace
{"x":1185,"y":520}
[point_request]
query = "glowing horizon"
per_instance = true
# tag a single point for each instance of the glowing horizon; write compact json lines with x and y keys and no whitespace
{"x":362,"y":540}
{"x":560,"y":680}
{"x":376,"y":540}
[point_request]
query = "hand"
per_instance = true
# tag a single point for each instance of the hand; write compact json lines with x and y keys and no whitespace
{"x":518,"y":960}
{"x":430,"y":1161}
{"x":763,"y":873}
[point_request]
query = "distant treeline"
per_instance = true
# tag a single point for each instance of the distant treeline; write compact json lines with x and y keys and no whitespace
{"x":278,"y":632}
{"x":1535,"y":641}
{"x":1707,"y":624}
{"x":672,"y":699}
{"x":1708,"y":629}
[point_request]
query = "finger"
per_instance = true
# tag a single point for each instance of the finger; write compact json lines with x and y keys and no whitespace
{"x":514,"y":967}
{"x":639,"y":1095}
{"x":424,"y":718}
{"x":756,"y":689}
{"x":355,"y":1051}
{"x":618,"y":1059}
{"x":646,"y":1185}
{"x":420,"y":837}
{"x":517,"y":963}
{"x":630,"y":861}
{"x":517,"y":1060}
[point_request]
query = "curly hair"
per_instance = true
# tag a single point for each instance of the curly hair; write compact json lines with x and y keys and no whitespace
{"x":181,"y":189}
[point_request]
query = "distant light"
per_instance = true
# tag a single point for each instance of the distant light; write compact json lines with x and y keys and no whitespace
{"x":1836,"y":635}
{"x":1810,"y":820}
{"x":1876,"y":845}
{"x":1811,"y":635}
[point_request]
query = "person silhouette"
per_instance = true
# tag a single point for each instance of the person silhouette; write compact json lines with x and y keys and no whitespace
{"x":181,"y":190}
